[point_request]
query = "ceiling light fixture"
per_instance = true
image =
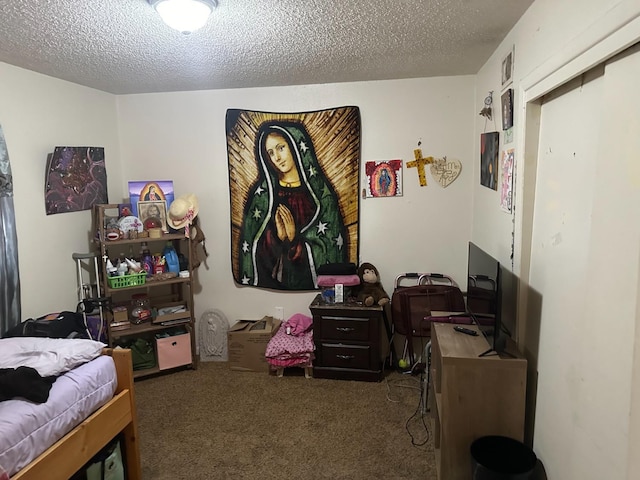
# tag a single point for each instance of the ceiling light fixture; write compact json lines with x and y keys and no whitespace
{"x":186,"y":16}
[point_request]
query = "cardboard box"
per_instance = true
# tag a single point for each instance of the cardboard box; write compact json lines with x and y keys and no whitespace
{"x":247,"y":342}
{"x":120,"y":314}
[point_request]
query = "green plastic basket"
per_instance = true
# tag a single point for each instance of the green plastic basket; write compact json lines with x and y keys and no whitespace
{"x":128,"y":280}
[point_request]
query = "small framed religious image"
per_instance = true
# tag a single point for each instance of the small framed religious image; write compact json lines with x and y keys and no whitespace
{"x":507,"y":109}
{"x":150,"y":191}
{"x":125,"y":210}
{"x":507,"y":68}
{"x":153,"y":214}
{"x":384,"y":178}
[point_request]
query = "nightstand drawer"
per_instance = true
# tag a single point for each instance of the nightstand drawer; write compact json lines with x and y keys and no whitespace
{"x":345,"y":329}
{"x":345,"y":356}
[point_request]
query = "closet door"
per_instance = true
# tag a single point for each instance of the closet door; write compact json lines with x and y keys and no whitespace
{"x":584,"y":267}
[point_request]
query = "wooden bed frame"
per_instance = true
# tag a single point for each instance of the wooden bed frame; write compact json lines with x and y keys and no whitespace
{"x":76,"y":448}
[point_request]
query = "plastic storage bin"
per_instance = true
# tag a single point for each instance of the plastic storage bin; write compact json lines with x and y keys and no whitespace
{"x":173,"y":350}
{"x":495,"y":457}
{"x":122,"y":281}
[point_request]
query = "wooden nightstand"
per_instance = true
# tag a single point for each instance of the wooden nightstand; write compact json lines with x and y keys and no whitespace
{"x":348,"y":339}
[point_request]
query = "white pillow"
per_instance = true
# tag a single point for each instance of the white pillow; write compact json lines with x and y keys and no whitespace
{"x":49,"y":356}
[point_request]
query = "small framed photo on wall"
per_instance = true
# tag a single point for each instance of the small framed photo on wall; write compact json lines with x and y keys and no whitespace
{"x":489,"y":151}
{"x":507,"y":109}
{"x":507,"y":68}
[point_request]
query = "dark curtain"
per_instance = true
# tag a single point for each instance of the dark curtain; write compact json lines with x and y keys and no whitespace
{"x":10,"y":314}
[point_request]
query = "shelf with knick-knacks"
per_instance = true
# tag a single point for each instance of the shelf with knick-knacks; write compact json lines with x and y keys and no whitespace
{"x":148,"y":279}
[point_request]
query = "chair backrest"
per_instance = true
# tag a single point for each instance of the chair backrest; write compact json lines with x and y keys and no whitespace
{"x":410,"y":306}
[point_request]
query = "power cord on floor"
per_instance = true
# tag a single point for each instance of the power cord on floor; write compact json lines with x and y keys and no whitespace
{"x":421,"y":413}
{"x":400,"y":384}
{"x":415,"y":382}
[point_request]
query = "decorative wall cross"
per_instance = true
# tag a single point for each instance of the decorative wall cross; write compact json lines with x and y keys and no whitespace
{"x":420,"y":162}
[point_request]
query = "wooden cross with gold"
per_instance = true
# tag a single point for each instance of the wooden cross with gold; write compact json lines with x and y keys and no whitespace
{"x":420,"y":162}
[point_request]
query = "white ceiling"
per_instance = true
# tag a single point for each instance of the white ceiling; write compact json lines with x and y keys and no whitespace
{"x":122,"y":46}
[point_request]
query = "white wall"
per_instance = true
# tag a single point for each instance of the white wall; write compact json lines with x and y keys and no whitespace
{"x":181,"y":137}
{"x":555,"y":41}
{"x":38,"y":113}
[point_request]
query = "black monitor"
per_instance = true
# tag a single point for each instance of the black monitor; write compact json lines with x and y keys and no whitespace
{"x":484,"y":297}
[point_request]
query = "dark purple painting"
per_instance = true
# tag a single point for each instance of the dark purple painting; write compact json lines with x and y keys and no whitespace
{"x":76,"y":179}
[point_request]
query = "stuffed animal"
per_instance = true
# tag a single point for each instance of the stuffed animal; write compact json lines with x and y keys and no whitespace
{"x":371,"y":291}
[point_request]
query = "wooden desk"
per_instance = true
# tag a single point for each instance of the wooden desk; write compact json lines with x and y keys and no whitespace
{"x":471,"y":397}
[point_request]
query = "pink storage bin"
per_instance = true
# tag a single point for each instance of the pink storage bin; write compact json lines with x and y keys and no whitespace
{"x":174,"y":351}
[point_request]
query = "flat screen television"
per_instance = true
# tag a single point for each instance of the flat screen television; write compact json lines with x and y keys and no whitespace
{"x":484,"y":298}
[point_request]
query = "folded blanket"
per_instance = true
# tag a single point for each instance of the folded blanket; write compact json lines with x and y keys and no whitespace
{"x":297,"y":324}
{"x":303,"y":360}
{"x":337,"y":269}
{"x":331,"y":280}
{"x":282,"y":345}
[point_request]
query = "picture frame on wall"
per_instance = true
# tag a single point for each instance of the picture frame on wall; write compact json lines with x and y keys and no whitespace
{"x":506,"y":180}
{"x":489,"y":151}
{"x":507,"y":109}
{"x":384,"y":178}
{"x":507,"y":68}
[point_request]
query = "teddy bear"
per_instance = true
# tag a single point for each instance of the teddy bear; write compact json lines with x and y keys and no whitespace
{"x":371,"y":291}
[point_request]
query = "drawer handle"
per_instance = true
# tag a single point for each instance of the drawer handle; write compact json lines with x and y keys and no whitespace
{"x":345,"y":329}
{"x":346,"y":357}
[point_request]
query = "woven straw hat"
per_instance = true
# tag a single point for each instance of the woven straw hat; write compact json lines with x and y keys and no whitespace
{"x":182,"y":211}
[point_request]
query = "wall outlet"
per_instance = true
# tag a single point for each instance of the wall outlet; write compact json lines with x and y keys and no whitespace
{"x":280,"y":313}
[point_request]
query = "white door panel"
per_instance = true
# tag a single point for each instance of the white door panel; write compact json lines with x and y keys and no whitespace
{"x":584,"y":264}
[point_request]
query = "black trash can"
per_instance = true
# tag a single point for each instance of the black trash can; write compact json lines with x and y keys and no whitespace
{"x":495,"y":457}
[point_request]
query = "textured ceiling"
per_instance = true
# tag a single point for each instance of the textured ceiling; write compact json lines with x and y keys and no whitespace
{"x":122,"y":46}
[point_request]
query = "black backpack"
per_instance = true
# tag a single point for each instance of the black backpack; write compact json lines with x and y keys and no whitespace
{"x":60,"y":325}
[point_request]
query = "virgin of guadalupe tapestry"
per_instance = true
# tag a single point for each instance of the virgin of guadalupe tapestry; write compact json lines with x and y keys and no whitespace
{"x":293,"y":181}
{"x":76,"y":179}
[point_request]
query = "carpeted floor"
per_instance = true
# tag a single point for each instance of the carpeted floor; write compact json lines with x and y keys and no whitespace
{"x":214,"y":423}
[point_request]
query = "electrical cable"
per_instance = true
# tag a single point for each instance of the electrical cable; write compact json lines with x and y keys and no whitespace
{"x":397,"y":383}
{"x":419,"y":412}
{"x":422,"y":418}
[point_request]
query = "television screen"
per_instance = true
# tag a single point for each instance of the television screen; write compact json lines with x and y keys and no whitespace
{"x":484,"y":296}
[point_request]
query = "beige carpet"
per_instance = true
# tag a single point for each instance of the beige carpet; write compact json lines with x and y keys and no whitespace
{"x":214,"y":423}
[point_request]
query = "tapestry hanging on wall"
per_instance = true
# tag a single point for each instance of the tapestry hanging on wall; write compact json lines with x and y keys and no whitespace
{"x":293,"y":181}
{"x":75,"y":179}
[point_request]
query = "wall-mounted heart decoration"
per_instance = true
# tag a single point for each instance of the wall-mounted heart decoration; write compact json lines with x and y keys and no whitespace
{"x":445,"y":170}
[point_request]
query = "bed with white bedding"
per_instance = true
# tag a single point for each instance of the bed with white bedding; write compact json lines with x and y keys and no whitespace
{"x":90,"y":402}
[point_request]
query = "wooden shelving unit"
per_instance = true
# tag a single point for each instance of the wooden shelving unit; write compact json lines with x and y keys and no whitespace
{"x":172,"y":291}
{"x":471,"y":397}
